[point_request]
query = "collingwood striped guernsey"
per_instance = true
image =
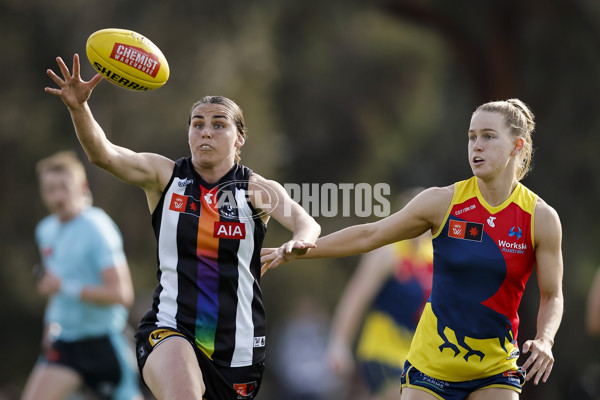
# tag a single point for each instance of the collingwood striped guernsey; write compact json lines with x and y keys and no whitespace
{"x":209,"y":239}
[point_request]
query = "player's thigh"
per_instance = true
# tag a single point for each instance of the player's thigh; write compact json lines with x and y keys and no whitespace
{"x":51,"y":382}
{"x":416,"y":394}
{"x":494,"y":394}
{"x":172,"y":371}
{"x":391,"y":392}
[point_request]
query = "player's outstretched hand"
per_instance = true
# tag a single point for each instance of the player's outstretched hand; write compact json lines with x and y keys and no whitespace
{"x":540,"y":362}
{"x":73,"y":91}
{"x":272,"y":257}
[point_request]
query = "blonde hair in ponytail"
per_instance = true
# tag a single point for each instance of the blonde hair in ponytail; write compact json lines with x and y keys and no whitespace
{"x":521,"y":121}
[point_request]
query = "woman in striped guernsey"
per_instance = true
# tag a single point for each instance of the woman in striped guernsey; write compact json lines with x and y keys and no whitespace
{"x":489,"y":232}
{"x":205,"y":334}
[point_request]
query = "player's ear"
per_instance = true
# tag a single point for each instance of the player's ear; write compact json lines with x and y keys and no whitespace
{"x":240,"y":140}
{"x":519,"y":144}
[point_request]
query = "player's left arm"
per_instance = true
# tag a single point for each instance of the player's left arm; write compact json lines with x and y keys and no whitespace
{"x":549,"y":268}
{"x":270,"y":199}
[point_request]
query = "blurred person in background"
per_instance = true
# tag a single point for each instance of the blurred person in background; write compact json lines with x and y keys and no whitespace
{"x":86,"y":278}
{"x":389,"y":289}
{"x":205,"y":335}
{"x":488,"y":232}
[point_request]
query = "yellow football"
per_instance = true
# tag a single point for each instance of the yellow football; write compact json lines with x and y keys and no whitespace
{"x":127,"y":59}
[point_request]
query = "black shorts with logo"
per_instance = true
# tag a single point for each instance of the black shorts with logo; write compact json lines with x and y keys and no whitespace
{"x":222,"y":383}
{"x":94,"y":359}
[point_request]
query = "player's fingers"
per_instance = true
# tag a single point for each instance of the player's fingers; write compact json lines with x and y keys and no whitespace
{"x":55,"y":78}
{"x":288,"y":247}
{"x":548,"y":370}
{"x":265,"y":251}
{"x":95,"y":80}
{"x":269,"y":265}
{"x":76,"y":66}
{"x":63,"y":68}
{"x":539,"y":367}
{"x":267,"y":255}
{"x":265,"y":267}
{"x":53,"y":91}
{"x":539,"y":371}
{"x":530,"y":365}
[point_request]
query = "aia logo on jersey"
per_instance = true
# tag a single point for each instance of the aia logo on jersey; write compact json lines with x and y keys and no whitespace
{"x":244,"y":390}
{"x":465,"y":230}
{"x":229,"y":230}
{"x":184,"y":204}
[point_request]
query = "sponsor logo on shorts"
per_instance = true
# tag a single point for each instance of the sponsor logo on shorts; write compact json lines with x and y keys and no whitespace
{"x":514,"y":376}
{"x":245,"y":390}
{"x":159,"y":335}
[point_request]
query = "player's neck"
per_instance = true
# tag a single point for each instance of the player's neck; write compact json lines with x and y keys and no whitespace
{"x":212,"y":173}
{"x":70,"y":213}
{"x":495,"y":192}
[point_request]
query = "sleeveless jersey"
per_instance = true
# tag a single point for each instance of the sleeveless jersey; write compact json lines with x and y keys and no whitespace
{"x":392,"y":318}
{"x":483,"y":256}
{"x":209,"y":239}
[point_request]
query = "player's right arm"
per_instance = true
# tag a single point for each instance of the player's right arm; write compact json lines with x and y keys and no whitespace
{"x":148,"y":170}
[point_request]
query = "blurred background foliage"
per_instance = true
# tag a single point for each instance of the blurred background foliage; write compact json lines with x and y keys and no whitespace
{"x":333,"y":91}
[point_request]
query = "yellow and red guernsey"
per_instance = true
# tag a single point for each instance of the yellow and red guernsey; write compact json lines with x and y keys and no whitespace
{"x":483,"y":257}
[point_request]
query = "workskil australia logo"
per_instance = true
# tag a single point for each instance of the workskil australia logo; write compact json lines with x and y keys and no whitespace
{"x":511,"y":246}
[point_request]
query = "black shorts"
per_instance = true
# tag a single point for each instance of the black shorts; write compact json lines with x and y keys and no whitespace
{"x":97,"y":361}
{"x":222,"y":383}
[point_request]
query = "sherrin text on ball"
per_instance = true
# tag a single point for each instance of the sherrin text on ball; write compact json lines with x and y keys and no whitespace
{"x":127,"y":59}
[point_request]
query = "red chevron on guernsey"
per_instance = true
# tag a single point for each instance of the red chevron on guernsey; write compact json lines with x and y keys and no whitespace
{"x":137,"y":58}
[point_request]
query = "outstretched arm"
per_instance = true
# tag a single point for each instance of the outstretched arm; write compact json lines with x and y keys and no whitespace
{"x":147,"y":170}
{"x":549,"y":268}
{"x":425,"y":212}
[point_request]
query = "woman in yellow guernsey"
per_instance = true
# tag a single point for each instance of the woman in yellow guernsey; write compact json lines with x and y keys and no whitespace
{"x":489,"y":232}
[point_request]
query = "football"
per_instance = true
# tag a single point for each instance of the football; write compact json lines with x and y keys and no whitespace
{"x":127,"y":59}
